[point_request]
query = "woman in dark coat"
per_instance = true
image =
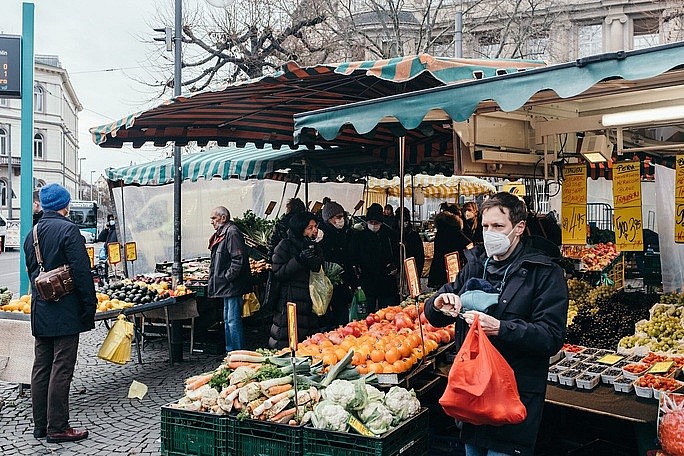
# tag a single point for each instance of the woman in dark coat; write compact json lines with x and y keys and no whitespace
{"x":293,"y":206}
{"x":412,"y":241}
{"x":295,"y":257}
{"x":449,"y":238}
{"x":472,"y":227}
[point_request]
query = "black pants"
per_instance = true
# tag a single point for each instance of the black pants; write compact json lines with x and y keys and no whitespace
{"x":53,"y":370}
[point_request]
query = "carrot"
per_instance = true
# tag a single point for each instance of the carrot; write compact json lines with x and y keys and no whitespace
{"x":201,"y":381}
{"x":284,"y":413}
{"x":236,"y":364}
{"x":197,"y":377}
{"x":274,"y":390}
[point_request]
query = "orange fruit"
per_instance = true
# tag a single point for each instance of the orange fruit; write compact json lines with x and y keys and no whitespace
{"x":362,"y":368}
{"x":389,"y":369}
{"x":375,"y":367}
{"x":418,"y":353}
{"x":399,"y":366}
{"x":340,"y":353}
{"x":404,"y":349}
{"x":377,"y":355}
{"x":358,"y":359}
{"x":392,"y":355}
{"x":326,"y":343}
{"x":329,"y":359}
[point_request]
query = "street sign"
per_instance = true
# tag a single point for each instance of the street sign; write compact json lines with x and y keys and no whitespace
{"x":10,"y":66}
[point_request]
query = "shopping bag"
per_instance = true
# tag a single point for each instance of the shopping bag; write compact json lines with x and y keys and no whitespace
{"x":482,"y":387}
{"x":116,"y":347}
{"x":321,"y":290}
{"x":250,"y":304}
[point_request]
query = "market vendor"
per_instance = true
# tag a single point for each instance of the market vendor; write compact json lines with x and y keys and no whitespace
{"x":526,"y":325}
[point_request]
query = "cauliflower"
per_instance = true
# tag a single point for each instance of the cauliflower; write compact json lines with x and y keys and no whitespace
{"x":377,"y":418}
{"x":341,"y":392}
{"x":329,"y":415}
{"x":374,"y":394}
{"x":402,"y":403}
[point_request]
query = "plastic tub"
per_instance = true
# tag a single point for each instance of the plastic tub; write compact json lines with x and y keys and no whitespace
{"x":567,"y":377}
{"x":588,"y":381}
{"x":552,"y":375}
{"x":623,"y":385}
{"x":634,"y":375}
{"x":642,"y":391}
{"x":609,"y":375}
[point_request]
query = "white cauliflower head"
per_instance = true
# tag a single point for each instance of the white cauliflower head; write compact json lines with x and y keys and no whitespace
{"x":402,"y":403}
{"x":329,"y":415}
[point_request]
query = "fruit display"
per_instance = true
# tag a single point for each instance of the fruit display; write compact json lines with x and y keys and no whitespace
{"x":387,"y":341}
{"x":104,"y":303}
{"x":577,"y":291}
{"x":593,"y":258}
{"x":5,"y":296}
{"x":662,"y":332}
{"x":658,"y":382}
{"x":21,"y":305}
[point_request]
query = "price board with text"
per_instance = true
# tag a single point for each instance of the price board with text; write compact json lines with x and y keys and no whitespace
{"x":629,"y":233}
{"x":10,"y":66}
{"x":679,"y":200}
{"x":453,"y":265}
{"x":131,"y":251}
{"x":627,"y":218}
{"x":574,"y":184}
{"x":412,"y":280}
{"x":114,"y":252}
{"x":574,"y":223}
{"x":627,"y":184}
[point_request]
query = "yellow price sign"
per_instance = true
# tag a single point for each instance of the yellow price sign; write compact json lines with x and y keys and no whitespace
{"x":629,"y":232}
{"x":627,"y":184}
{"x":412,"y":280}
{"x":114,"y":252}
{"x":574,"y":184}
{"x":453,"y":266}
{"x":679,"y":221}
{"x":609,"y":359}
{"x":131,"y":251}
{"x":292,"y":325}
{"x":91,"y":255}
{"x":574,"y":224}
{"x":679,"y":177}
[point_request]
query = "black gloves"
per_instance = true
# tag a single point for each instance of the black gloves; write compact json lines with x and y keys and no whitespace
{"x":309,"y":259}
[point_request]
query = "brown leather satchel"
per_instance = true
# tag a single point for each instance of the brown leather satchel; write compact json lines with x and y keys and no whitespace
{"x":54,"y":284}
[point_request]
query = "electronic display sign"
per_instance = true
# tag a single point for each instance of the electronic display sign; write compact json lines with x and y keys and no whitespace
{"x":10,"y":66}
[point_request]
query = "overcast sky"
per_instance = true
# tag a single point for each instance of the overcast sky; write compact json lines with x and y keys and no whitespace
{"x":91,"y":36}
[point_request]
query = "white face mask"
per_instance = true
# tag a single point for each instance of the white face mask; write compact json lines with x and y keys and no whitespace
{"x":319,"y":236}
{"x":496,"y":243}
{"x":338,"y":223}
{"x":373,"y":228}
{"x":112,"y":223}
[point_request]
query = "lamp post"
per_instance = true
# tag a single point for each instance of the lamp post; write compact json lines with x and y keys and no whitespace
{"x":80,"y":168}
{"x":91,"y":185}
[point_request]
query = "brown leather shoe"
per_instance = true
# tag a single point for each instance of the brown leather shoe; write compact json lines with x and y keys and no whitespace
{"x":70,"y":435}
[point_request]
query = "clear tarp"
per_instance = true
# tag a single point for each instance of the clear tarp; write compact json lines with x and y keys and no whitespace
{"x":671,"y":254}
{"x":146,"y":215}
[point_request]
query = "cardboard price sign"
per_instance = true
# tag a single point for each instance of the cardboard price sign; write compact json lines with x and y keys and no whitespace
{"x":412,"y":277}
{"x":131,"y":251}
{"x":114,"y":252}
{"x":679,"y":177}
{"x":629,"y":233}
{"x":627,"y":184}
{"x":574,"y":184}
{"x":292,"y":325}
{"x":453,"y":266}
{"x":574,"y":223}
{"x":679,"y":221}
{"x":91,"y":255}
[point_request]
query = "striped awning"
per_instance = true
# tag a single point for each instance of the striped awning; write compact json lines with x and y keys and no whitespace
{"x":437,"y":186}
{"x":261,"y":111}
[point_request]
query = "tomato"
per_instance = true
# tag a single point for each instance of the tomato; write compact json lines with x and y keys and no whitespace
{"x":401,"y":320}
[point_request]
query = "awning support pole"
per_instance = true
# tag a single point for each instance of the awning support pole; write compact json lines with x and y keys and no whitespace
{"x":306,"y":185}
{"x":402,"y":248}
{"x":177,"y":268}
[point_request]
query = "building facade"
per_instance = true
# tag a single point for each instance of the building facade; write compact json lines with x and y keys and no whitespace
{"x":55,"y":135}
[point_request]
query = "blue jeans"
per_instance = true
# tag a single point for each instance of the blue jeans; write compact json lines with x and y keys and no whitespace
{"x":472,"y":450}
{"x":232,"y":321}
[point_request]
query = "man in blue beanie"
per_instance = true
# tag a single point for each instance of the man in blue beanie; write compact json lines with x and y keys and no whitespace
{"x":56,"y":325}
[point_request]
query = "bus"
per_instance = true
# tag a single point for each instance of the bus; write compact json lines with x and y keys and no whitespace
{"x":84,"y":215}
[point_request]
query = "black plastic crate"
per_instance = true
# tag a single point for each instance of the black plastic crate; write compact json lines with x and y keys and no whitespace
{"x":408,"y":439}
{"x":263,"y":438}
{"x":185,"y":432}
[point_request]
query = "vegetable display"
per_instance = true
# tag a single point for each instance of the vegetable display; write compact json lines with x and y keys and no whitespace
{"x":21,"y":305}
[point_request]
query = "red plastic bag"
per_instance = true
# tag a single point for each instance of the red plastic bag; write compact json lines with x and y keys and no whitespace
{"x":482,"y":387}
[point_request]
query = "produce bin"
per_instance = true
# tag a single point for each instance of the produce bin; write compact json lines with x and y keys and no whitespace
{"x":408,"y":439}
{"x":264,"y":438}
{"x":185,"y":432}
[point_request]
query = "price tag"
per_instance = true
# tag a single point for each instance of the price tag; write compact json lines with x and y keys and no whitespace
{"x":679,"y":177}
{"x":574,"y":223}
{"x":679,"y":221}
{"x":609,"y":359}
{"x":131,"y":251}
{"x":114,"y":252}
{"x":358,"y":426}
{"x":661,"y":367}
{"x":629,"y":233}
{"x":627,"y":184}
{"x":270,"y":207}
{"x":574,"y":184}
{"x":292,"y":325}
{"x":453,"y":266}
{"x":412,"y":277}
{"x":388,"y":379}
{"x":91,"y":255}
{"x":317,"y":207}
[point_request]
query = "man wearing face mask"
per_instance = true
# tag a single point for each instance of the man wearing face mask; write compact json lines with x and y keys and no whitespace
{"x":375,"y":256}
{"x":107,"y":235}
{"x":525,"y":322}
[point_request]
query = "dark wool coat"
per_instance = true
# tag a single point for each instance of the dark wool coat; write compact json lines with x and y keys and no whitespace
{"x":375,"y":254}
{"x":449,"y":238}
{"x":532,"y":308}
{"x":229,"y":273}
{"x":61,"y":243}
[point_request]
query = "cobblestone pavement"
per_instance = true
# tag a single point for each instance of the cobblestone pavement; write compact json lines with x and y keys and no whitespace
{"x":99,"y":403}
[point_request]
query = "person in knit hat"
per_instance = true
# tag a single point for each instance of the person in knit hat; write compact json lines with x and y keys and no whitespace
{"x":56,"y":325}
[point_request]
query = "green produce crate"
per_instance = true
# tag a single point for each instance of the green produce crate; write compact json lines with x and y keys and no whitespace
{"x":263,"y":438}
{"x":184,"y":432}
{"x":199,"y":290}
{"x":408,"y":439}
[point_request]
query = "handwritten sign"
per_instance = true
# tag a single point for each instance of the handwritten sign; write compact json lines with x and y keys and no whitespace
{"x":292,"y":325}
{"x":609,"y":359}
{"x":629,"y":233}
{"x":270,"y":207}
{"x":574,"y":184}
{"x":131,"y":251}
{"x":412,"y":277}
{"x":627,"y":184}
{"x":679,"y":177}
{"x":91,"y":255}
{"x":114,"y":252}
{"x":453,"y":265}
{"x":679,"y":221}
{"x":574,"y":223}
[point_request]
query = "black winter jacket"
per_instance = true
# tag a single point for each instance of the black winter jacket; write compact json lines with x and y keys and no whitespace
{"x":279,"y":233}
{"x":229,"y":273}
{"x":414,"y":248}
{"x":374,"y":255}
{"x":449,"y":238}
{"x":532,"y":308}
{"x":293,"y":276}
{"x":61,"y":243}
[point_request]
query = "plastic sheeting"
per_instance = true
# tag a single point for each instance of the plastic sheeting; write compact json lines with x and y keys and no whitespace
{"x":149,"y":212}
{"x":671,"y":254}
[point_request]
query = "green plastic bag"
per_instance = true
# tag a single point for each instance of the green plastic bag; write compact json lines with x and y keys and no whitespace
{"x":358,"y":309}
{"x":321,"y":291}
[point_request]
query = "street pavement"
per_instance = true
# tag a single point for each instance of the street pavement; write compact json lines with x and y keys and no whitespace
{"x":99,"y":402}
{"x":9,"y":270}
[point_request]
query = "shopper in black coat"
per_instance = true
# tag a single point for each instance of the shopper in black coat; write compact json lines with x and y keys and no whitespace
{"x":293,"y":206}
{"x":412,"y":241}
{"x":472,"y":227}
{"x":294,"y":259}
{"x":527,"y":326}
{"x":449,"y":238}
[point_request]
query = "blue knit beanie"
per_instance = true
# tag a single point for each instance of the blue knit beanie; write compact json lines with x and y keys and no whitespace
{"x":54,"y":197}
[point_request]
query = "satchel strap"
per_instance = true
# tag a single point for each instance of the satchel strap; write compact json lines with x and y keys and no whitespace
{"x":39,"y":257}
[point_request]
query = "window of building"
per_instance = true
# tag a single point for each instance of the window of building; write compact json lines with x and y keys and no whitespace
{"x":3,"y":192}
{"x":589,"y":40}
{"x":488,"y":44}
{"x":38,"y":99}
{"x":38,"y":146}
{"x":646,"y":32}
{"x":538,"y":46}
{"x":4,"y":146}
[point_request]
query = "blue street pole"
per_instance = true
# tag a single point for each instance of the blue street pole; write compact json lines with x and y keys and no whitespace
{"x":26,"y":197}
